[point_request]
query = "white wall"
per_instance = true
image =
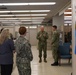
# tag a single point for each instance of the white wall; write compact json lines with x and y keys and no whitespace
{"x":73,"y":36}
{"x":58,"y":20}
{"x":32,"y":36}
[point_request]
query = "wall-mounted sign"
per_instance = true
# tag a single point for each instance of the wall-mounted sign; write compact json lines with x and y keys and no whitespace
{"x":75,"y":29}
{"x":75,"y":38}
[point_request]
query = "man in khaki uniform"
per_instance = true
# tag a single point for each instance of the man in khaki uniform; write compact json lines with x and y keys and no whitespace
{"x":42,"y":37}
{"x":55,"y":45}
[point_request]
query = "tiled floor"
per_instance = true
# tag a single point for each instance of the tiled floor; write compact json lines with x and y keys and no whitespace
{"x":46,"y":68}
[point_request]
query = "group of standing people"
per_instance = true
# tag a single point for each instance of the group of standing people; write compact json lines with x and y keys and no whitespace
{"x":22,"y":47}
{"x":7,"y":49}
{"x":42,"y":37}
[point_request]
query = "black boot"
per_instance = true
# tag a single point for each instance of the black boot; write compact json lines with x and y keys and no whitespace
{"x":40,"y":60}
{"x":55,"y":64}
{"x":45,"y":60}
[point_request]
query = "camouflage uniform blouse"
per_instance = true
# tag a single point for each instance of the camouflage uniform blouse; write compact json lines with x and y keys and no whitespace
{"x":24,"y":54}
{"x":42,"y":36}
{"x":55,"y":39}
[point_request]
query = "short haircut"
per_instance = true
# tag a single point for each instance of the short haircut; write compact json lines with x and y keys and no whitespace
{"x":54,"y":26}
{"x":22,"y":30}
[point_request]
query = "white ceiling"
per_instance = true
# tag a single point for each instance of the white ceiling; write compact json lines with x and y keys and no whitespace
{"x":53,"y":11}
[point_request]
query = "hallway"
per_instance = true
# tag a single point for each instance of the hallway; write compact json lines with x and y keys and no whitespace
{"x":46,"y":68}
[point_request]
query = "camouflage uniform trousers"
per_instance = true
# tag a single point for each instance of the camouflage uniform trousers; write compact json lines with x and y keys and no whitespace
{"x":23,"y":70}
{"x":44,"y":49}
{"x":55,"y":53}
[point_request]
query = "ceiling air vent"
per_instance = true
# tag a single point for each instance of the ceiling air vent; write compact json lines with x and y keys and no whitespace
{"x":10,"y":13}
{"x":3,"y":7}
{"x":14,"y":16}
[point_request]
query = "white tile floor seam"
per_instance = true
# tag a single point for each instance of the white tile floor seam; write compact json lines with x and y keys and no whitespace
{"x":46,"y":68}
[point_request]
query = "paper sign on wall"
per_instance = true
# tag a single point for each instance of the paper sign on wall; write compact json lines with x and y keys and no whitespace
{"x":75,"y":39}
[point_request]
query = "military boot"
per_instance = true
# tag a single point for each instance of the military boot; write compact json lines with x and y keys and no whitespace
{"x":55,"y":64}
{"x":40,"y":60}
{"x":45,"y":60}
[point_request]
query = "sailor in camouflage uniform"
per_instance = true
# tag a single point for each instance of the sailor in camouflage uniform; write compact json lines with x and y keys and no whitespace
{"x":42,"y":37}
{"x":55,"y":45}
{"x":24,"y":55}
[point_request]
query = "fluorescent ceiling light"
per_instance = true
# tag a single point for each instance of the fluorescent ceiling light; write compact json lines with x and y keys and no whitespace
{"x":30,"y":14}
{"x":40,"y":11}
{"x":3,"y":20}
{"x":6,"y":15}
{"x":6,"y":22}
{"x":33,"y":20}
{"x":8,"y":18}
{"x":19,"y":11}
{"x":30,"y":23}
{"x":24,"y":15}
{"x":68,"y":16}
{"x":39,"y":25}
{"x":22,"y":18}
{"x":37,"y":17}
{"x":22,"y":4}
{"x":12,"y":4}
{"x":4,"y":11}
{"x":33,"y":27}
{"x":67,"y":21}
{"x":67,"y":12}
{"x":43,"y":3}
{"x":14,"y":20}
{"x":65,"y":24}
{"x":26,"y":20}
{"x":26,"y":23}
{"x":11,"y":22}
{"x":26,"y":26}
{"x":70,"y":24}
{"x":38,"y":14}
{"x":37,"y":20}
{"x":69,"y":8}
{"x":30,"y":11}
